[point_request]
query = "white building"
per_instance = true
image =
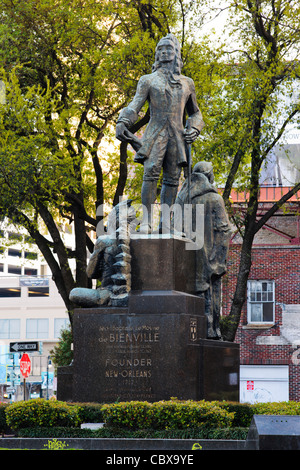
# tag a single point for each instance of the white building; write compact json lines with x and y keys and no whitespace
{"x":31,"y":310}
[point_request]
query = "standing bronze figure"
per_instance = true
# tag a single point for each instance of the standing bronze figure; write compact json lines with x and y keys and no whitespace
{"x":164,"y":143}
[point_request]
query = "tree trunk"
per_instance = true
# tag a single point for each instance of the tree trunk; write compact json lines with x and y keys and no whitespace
{"x":230,"y":323}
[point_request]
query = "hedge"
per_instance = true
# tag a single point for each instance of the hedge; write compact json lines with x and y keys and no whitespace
{"x":280,"y":408}
{"x":3,"y":424}
{"x":165,"y":416}
{"x":205,"y":432}
{"x":89,"y":412}
{"x":172,"y":414}
{"x":41,"y":412}
{"x":243,"y":412}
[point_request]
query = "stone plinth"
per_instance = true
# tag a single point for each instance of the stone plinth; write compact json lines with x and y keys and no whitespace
{"x":162,"y":263}
{"x":156,"y":347}
{"x":149,"y":356}
{"x":135,"y":356}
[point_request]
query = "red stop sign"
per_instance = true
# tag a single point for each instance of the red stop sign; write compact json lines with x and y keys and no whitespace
{"x":25,"y":365}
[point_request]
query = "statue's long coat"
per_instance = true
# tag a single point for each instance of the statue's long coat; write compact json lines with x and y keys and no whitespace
{"x":211,"y":258}
{"x":167,"y":107}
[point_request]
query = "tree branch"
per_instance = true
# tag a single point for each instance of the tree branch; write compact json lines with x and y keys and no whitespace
{"x":260,"y":223}
{"x":44,"y":246}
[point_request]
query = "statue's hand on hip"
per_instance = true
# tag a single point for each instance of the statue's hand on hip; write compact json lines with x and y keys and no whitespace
{"x":190,"y":135}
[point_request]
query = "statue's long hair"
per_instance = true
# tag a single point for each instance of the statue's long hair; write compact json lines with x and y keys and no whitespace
{"x":177,"y":65}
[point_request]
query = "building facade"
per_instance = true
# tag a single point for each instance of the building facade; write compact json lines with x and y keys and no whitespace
{"x":269,"y":329}
{"x":31,"y":310}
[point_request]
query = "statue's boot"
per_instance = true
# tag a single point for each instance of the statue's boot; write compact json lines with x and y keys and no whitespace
{"x":167,"y":199}
{"x":149,"y":192}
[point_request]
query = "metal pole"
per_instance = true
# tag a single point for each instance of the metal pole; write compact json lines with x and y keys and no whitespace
{"x":189,"y":162}
{"x":47,"y":395}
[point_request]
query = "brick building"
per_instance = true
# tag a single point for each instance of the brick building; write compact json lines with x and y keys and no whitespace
{"x":269,"y":330}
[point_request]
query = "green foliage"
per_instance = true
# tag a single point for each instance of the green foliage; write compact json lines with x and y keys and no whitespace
{"x":133,"y":414}
{"x":89,"y":412}
{"x":55,"y":432}
{"x":3,"y":423}
{"x":62,"y":354}
{"x":172,"y":419}
{"x":33,"y":169}
{"x":204,"y":432}
{"x":176,"y":414}
{"x":68,"y":69}
{"x":243,"y":413}
{"x":173,"y":414}
{"x":280,"y":408}
{"x":41,"y":412}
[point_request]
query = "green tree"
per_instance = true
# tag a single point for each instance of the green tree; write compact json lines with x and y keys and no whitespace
{"x":69,"y":67}
{"x":248,"y":111}
{"x":62,"y":353}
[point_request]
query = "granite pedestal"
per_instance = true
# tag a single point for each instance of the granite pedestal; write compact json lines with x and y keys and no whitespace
{"x":155,"y":348}
{"x":274,"y":432}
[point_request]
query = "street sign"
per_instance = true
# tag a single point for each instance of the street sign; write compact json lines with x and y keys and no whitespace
{"x":25,"y":365}
{"x":34,"y":281}
{"x":24,"y":346}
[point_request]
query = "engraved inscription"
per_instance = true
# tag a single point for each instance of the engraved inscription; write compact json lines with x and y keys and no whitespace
{"x":193,"y":329}
{"x":128,"y":358}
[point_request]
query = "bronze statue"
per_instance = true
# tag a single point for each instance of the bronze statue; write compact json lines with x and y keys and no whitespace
{"x":164,"y":143}
{"x":211,"y":258}
{"x":110,"y":262}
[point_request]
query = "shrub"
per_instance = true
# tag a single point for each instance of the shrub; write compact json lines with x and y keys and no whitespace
{"x":172,"y":414}
{"x":277,"y":408}
{"x":41,"y":412}
{"x":3,"y":424}
{"x":243,"y":413}
{"x":176,"y":414}
{"x":133,"y":414}
{"x":205,"y":432}
{"x":89,"y":412}
{"x":57,"y":432}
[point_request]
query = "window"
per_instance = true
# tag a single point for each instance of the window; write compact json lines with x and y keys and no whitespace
{"x":261,"y":301}
{"x":38,"y":291}
{"x":37,"y":328}
{"x":14,"y":269}
{"x":30,"y":272}
{"x":14,"y":252}
{"x":60,"y":324}
{"x":9,"y":329}
{"x":10,"y":292}
{"x":15,"y":236}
